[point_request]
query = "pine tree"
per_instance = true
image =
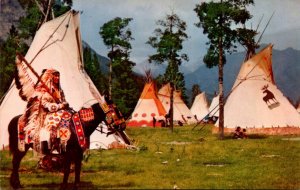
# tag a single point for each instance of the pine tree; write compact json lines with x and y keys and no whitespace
{"x":217,"y":20}
{"x":168,"y":44}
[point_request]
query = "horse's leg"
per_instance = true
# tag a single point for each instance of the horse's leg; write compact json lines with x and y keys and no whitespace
{"x":17,"y":157}
{"x":78,"y":161}
{"x":67,"y":166}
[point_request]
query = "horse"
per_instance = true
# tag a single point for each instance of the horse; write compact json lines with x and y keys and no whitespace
{"x":73,"y":151}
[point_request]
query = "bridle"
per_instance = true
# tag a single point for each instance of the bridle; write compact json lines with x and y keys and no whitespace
{"x":113,"y":117}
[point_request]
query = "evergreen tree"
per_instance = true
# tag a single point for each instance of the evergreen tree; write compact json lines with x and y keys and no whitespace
{"x":217,"y":20}
{"x":168,"y":44}
{"x":37,"y":12}
{"x":7,"y":59}
{"x":93,"y":69}
{"x":122,"y":88}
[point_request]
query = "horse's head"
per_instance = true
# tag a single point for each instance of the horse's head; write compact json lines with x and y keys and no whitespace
{"x":108,"y":112}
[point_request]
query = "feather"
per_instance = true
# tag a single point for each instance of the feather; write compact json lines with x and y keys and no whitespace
{"x":23,"y":81}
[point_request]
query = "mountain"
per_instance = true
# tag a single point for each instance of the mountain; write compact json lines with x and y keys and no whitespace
{"x":10,"y":12}
{"x":104,"y":61}
{"x":286,"y":70}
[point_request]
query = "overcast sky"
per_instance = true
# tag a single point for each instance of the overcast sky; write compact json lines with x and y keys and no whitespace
{"x":283,"y":30}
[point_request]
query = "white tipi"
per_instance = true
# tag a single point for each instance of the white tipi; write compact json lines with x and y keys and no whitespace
{"x":148,"y":106}
{"x":200,"y":106}
{"x":214,"y":107}
{"x":57,"y":44}
{"x":256,"y":103}
{"x":181,"y":111}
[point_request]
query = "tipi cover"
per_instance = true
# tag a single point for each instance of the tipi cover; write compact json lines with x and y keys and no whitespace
{"x":57,"y":44}
{"x":214,"y":107}
{"x":148,"y":106}
{"x":181,"y":111}
{"x":256,"y":103}
{"x":200,"y":106}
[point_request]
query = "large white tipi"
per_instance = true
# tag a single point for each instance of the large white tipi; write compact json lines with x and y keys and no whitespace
{"x":148,"y":106}
{"x":57,"y":44}
{"x":200,"y":106}
{"x":181,"y":112}
{"x":256,"y":103}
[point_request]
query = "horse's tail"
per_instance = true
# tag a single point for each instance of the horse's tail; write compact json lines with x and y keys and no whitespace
{"x":13,"y":133}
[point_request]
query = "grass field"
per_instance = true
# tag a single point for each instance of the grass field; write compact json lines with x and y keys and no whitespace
{"x":186,"y":158}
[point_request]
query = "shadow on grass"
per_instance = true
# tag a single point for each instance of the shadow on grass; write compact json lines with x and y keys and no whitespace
{"x":250,"y":136}
{"x":82,"y":185}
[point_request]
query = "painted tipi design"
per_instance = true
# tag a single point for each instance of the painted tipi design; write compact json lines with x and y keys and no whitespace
{"x":200,"y":106}
{"x":147,"y":108}
{"x":56,"y":45}
{"x":256,"y":103}
{"x":181,"y":112}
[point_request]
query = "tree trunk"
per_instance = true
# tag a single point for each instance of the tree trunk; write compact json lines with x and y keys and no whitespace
{"x":110,"y":76}
{"x":221,"y":91}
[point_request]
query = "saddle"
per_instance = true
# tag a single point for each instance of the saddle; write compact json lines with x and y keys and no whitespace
{"x":55,"y":132}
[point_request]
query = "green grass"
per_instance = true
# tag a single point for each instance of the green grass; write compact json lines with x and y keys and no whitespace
{"x":195,"y":159}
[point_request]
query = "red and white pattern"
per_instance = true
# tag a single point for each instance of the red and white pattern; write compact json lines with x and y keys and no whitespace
{"x":79,"y":130}
{"x":87,"y":114}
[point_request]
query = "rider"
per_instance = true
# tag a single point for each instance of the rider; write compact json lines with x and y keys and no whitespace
{"x":48,"y":97}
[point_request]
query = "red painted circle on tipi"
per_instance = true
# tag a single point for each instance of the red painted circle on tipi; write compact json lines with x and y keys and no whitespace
{"x":153,"y":114}
{"x":135,"y":115}
{"x":144,"y":115}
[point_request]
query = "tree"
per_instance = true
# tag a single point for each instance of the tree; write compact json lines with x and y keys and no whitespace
{"x":217,"y":20}
{"x":122,"y":88}
{"x":168,"y":44}
{"x":7,"y":59}
{"x":20,"y":36}
{"x":92,"y":67}
{"x":116,"y":37}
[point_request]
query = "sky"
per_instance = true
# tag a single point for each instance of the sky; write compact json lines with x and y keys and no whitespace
{"x":283,"y":30}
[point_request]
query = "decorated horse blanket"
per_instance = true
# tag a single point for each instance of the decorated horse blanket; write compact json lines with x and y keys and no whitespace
{"x":56,"y":127}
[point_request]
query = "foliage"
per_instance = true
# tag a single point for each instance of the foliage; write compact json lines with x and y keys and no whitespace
{"x":122,"y":88}
{"x":217,"y":20}
{"x":92,"y":67}
{"x":168,"y":41}
{"x":195,"y":160}
{"x":7,"y":59}
{"x":21,"y":36}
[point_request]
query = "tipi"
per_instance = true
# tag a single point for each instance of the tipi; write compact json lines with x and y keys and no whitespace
{"x":298,"y":108}
{"x":214,"y":107}
{"x":57,"y":44}
{"x":181,"y":111}
{"x":148,"y":106}
{"x":255,"y":101}
{"x":200,"y":106}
